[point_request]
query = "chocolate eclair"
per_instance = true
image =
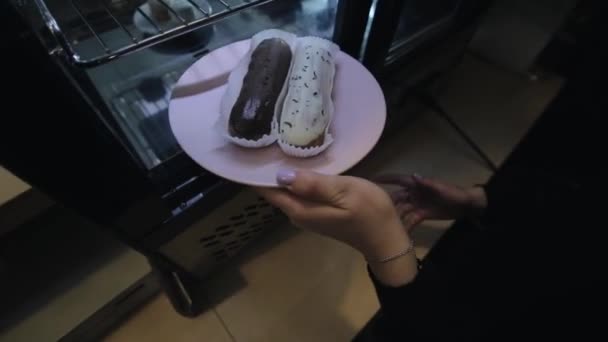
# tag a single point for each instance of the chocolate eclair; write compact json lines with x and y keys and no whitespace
{"x":253,"y":112}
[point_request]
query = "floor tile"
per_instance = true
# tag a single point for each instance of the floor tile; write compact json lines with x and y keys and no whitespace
{"x":10,"y":186}
{"x":278,"y":280}
{"x":334,"y":310}
{"x":494,"y":106}
{"x":157,"y":321}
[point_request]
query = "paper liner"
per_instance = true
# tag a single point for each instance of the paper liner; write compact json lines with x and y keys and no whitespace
{"x":235,"y":83}
{"x":305,"y":152}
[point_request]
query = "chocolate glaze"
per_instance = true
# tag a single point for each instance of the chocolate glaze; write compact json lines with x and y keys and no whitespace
{"x":252,"y":114}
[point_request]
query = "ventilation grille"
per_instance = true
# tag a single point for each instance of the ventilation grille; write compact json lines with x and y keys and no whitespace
{"x":226,"y":239}
{"x":223,"y":233}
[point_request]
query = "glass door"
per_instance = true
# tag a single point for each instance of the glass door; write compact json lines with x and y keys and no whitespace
{"x":137,"y":86}
{"x":418,"y":21}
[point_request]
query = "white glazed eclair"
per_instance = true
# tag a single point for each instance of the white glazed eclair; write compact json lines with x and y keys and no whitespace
{"x":308,"y":107}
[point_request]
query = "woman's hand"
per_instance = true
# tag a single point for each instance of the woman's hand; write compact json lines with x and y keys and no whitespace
{"x":352,"y":210}
{"x":419,"y":199}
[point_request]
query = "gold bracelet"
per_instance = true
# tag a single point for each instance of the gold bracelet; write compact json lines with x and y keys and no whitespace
{"x":407,"y":251}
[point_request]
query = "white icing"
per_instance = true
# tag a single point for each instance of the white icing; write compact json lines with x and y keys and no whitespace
{"x":308,"y":106}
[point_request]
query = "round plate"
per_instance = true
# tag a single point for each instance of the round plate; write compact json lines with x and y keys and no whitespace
{"x":358,"y":122}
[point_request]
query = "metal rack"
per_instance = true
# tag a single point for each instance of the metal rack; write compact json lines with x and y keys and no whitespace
{"x":135,"y":40}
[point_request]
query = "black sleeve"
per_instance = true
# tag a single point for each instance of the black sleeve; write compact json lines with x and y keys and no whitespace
{"x":451,"y":295}
{"x":474,"y":280}
{"x":527,"y":191}
{"x":513,"y":192}
{"x":426,"y":309}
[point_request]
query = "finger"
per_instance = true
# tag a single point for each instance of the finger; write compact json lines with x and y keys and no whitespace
{"x":399,"y":208}
{"x":412,"y":220}
{"x":395,"y":179}
{"x":400,"y":195}
{"x":403,"y":212}
{"x":428,"y":184}
{"x":404,"y":209}
{"x":317,"y":187}
{"x":280,"y":199}
{"x":296,"y":208}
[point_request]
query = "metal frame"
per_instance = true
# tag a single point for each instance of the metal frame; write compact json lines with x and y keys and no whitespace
{"x":351,"y":23}
{"x":96,"y":326}
{"x":380,"y":33}
{"x":405,"y":46}
{"x":69,"y":48}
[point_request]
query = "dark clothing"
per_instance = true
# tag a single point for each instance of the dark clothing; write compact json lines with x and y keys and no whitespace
{"x":533,"y":270}
{"x":524,"y":274}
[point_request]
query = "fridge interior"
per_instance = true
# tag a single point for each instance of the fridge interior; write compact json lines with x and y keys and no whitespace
{"x":136,"y":85}
{"x":134,"y":59}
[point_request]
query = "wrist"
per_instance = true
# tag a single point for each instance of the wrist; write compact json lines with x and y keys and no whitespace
{"x":386,"y":239}
{"x":398,"y":271}
{"x":393,"y":262}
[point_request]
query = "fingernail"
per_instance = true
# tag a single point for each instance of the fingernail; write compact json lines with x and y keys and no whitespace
{"x":286,"y":176}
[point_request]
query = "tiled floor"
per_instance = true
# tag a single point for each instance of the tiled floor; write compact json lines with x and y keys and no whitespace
{"x":10,"y":186}
{"x":57,"y":269}
{"x":296,"y":286}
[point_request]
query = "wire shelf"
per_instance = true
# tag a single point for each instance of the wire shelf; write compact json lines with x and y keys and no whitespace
{"x":91,"y":33}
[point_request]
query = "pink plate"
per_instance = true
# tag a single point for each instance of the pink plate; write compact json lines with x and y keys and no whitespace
{"x":358,"y":121}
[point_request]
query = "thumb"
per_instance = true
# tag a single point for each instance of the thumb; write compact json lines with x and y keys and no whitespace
{"x":312,"y":186}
